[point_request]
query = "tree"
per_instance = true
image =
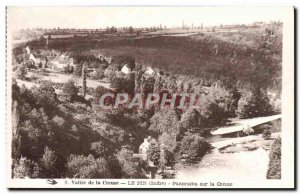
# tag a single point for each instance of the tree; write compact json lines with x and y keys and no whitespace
{"x":48,"y":164}
{"x":121,"y":60}
{"x":79,"y":166}
{"x":84,"y":80}
{"x":190,"y":120}
{"x":99,"y":91}
{"x":129,"y":168}
{"x":46,"y":97}
{"x":112,"y":29}
{"x":258,"y":104}
{"x":164,"y":121}
{"x":21,"y":72}
{"x":118,"y":83}
{"x":99,"y":149}
{"x":70,"y":90}
{"x":154,"y":152}
{"x":16,"y":139}
{"x":274,"y":170}
{"x":130,"y":29}
{"x":193,"y":147}
{"x":266,"y":134}
{"x":25,"y":168}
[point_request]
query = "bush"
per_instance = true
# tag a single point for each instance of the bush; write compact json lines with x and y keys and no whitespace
{"x":274,"y":170}
{"x":130,"y":169}
{"x":99,"y":149}
{"x":21,"y":72}
{"x":255,"y":105}
{"x":25,"y":168}
{"x":70,"y":90}
{"x":266,"y":134}
{"x":87,"y":167}
{"x":48,"y":164}
{"x":154,"y":153}
{"x":68,"y":69}
{"x":193,"y":147}
{"x":100,"y":90}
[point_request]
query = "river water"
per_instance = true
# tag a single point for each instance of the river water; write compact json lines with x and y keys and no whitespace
{"x":233,"y":166}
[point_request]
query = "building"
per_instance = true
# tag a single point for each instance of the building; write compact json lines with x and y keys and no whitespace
{"x":145,"y":146}
{"x":150,"y":71}
{"x":38,"y":60}
{"x":61,"y":61}
{"x":125,"y":69}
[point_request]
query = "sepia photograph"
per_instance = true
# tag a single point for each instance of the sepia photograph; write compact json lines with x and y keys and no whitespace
{"x":150,"y":97}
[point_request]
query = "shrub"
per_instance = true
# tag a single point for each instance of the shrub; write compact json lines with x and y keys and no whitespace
{"x":266,"y":134}
{"x":193,"y":147}
{"x":87,"y":167}
{"x":25,"y":168}
{"x":190,"y":120}
{"x":99,"y":91}
{"x":21,"y":72}
{"x":70,"y":90}
{"x":59,"y":121}
{"x":129,"y":168}
{"x":258,"y":104}
{"x":48,"y":164}
{"x":164,"y":121}
{"x":68,"y":69}
{"x":274,"y":170}
{"x":154,"y":153}
{"x":99,"y":149}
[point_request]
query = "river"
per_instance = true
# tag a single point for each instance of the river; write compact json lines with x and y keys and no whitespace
{"x":232,"y":166}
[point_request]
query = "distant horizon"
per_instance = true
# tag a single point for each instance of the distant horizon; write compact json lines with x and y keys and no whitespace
{"x":137,"y":16}
{"x":144,"y":27}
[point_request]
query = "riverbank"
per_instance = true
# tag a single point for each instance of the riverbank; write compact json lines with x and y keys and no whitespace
{"x":235,"y":158}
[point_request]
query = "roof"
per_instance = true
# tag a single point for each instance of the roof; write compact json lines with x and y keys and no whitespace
{"x":242,"y":124}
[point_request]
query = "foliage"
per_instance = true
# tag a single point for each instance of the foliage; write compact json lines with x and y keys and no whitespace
{"x":25,"y":168}
{"x":274,"y":170}
{"x":21,"y":72}
{"x":80,"y":166}
{"x":99,"y":91}
{"x":99,"y":149}
{"x":48,"y":164}
{"x":190,"y":120}
{"x":255,"y":105}
{"x":118,"y":83}
{"x":266,"y":134}
{"x":122,"y":60}
{"x":70,"y":90}
{"x":130,"y":169}
{"x":84,"y":80}
{"x":193,"y":147}
{"x":164,"y":121}
{"x":154,"y":152}
{"x":68,"y":69}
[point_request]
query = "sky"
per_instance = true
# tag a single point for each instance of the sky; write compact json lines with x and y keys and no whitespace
{"x":137,"y":16}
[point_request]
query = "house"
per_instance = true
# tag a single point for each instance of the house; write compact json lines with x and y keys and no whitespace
{"x":61,"y":61}
{"x":145,"y":146}
{"x":28,"y":50}
{"x":38,"y":60}
{"x":125,"y":69}
{"x":150,"y":71}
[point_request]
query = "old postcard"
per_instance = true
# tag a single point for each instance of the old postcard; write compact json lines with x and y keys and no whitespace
{"x":167,"y":97}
